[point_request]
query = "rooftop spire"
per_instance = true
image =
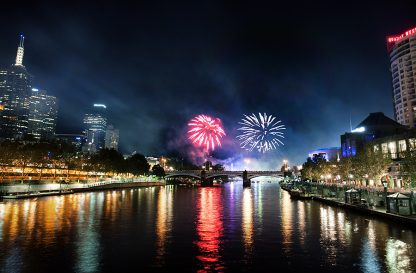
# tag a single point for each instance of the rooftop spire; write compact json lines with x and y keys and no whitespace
{"x":20,"y":51}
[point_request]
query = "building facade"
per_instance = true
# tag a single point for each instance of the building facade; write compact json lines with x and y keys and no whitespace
{"x":78,"y":140}
{"x":330,"y":154}
{"x":15,"y":90}
{"x":43,"y":114}
{"x":402,"y":53}
{"x":375,"y":126}
{"x":95,"y":124}
{"x":111,"y":138}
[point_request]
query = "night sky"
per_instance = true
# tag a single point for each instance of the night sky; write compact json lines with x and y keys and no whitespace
{"x":157,"y":64}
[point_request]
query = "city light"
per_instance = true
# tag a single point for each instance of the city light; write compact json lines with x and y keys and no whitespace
{"x":100,"y":105}
{"x":396,"y":38}
{"x":358,"y":130}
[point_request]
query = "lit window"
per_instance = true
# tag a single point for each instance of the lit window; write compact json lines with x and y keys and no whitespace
{"x":402,"y":145}
{"x":412,"y":144}
{"x":384,"y":148}
{"x":393,"y":149}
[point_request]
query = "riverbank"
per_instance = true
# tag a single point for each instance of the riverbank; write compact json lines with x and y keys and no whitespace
{"x":379,"y":212}
{"x":51,"y":190}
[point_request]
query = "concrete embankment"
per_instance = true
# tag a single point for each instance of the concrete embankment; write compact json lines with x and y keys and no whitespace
{"x":373,"y":212}
{"x":122,"y":185}
{"x":31,"y":191}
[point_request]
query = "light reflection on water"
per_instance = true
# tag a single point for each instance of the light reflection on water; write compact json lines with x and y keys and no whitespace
{"x":163,"y":222}
{"x":209,"y":228}
{"x":196,"y":229}
{"x":247,"y":222}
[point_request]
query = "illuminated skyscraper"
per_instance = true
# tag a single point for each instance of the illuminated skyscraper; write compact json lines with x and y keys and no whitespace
{"x":111,"y":138}
{"x":15,"y":90}
{"x":43,"y":113}
{"x":402,"y":51}
{"x":95,"y":124}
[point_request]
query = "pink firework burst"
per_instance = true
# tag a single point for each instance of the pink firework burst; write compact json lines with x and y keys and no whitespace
{"x":205,"y":131}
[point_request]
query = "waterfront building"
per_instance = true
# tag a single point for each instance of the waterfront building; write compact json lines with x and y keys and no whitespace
{"x":43,"y":114}
{"x":375,"y":126}
{"x":75,"y":139}
{"x":15,"y":90}
{"x":111,"y":137}
{"x":95,"y":125}
{"x":152,"y":161}
{"x":402,"y":53}
{"x":330,"y":154}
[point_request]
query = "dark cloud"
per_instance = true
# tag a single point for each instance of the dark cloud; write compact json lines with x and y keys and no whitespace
{"x":156,"y":65}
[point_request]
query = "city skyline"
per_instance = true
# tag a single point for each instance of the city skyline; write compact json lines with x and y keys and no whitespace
{"x":316,"y":78}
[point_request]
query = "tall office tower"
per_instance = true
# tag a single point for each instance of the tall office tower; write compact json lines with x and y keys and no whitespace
{"x":43,"y":113}
{"x":95,"y":124}
{"x":111,"y":138}
{"x":402,"y":51}
{"x":15,"y":90}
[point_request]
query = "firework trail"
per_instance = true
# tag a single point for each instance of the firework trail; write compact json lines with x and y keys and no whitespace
{"x":205,"y":131}
{"x":263,"y":132}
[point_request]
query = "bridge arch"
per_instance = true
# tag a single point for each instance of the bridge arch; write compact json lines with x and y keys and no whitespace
{"x":182,"y":175}
{"x":213,"y":174}
{"x":262,"y":175}
{"x":219,"y":175}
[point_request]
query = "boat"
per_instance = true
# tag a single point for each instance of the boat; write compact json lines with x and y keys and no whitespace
{"x":298,"y":194}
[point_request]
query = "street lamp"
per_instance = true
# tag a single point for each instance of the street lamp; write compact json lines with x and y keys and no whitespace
{"x":350,"y":176}
{"x":385,"y":192}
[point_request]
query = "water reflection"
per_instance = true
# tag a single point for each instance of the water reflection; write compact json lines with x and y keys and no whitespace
{"x":301,"y":223}
{"x":247,"y":221}
{"x":286,"y":223}
{"x":88,"y":247}
{"x":209,"y":228}
{"x":332,"y":238}
{"x":370,"y":262}
{"x":163,"y":222}
{"x":227,"y":228}
{"x":398,"y":255}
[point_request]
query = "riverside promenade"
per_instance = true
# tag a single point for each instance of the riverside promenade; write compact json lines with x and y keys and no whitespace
{"x":25,"y":190}
{"x":335,"y":196}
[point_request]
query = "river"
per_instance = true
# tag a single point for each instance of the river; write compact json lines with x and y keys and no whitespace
{"x":225,"y":228}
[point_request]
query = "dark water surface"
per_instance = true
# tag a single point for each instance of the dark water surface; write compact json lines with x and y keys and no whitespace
{"x":195,"y":229}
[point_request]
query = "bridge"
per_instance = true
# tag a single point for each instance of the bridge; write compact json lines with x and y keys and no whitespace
{"x":207,"y":177}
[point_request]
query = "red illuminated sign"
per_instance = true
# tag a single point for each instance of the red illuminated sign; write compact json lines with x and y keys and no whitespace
{"x":393,"y":39}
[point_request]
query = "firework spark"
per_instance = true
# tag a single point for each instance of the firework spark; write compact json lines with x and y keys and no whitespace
{"x":262,"y":132}
{"x":205,"y":131}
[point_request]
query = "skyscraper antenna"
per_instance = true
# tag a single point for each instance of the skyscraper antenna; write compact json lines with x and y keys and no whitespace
{"x":20,"y":51}
{"x":22,"y":40}
{"x":350,"y":123}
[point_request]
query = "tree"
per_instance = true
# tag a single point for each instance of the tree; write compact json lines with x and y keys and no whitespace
{"x":316,"y":167}
{"x":346,"y":168}
{"x":307,"y":169}
{"x":108,"y":160}
{"x":370,"y":164}
{"x":137,"y":164}
{"x":409,"y":168}
{"x":158,"y":171}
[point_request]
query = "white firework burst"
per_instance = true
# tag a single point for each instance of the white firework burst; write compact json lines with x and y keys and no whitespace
{"x":263,"y":132}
